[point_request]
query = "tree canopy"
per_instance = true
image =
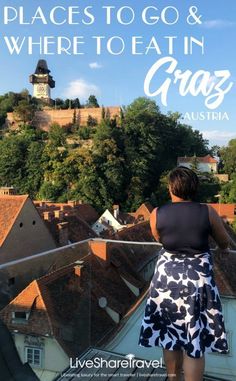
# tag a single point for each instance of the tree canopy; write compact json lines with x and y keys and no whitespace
{"x":123,"y":163}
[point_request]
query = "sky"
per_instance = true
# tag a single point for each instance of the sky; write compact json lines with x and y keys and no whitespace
{"x":117,"y":79}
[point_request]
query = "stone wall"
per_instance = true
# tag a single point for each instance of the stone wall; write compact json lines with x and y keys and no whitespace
{"x":43,"y":119}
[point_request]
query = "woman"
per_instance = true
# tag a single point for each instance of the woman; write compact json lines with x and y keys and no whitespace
{"x":183,"y":313}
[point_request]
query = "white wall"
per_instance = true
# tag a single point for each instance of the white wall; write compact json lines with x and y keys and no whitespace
{"x":29,"y":235}
{"x":202,"y":167}
{"x":107,"y":216}
{"x":54,"y":359}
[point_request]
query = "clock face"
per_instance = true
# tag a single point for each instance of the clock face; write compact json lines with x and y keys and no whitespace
{"x":41,"y":89}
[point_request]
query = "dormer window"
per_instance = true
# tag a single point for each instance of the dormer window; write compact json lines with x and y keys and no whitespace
{"x":20,"y":317}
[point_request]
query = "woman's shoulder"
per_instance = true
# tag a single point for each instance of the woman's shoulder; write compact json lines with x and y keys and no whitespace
{"x":165,"y":206}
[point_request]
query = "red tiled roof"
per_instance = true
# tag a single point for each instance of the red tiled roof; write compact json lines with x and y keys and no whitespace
{"x":30,"y":300}
{"x":201,"y":159}
{"x":225,"y":210}
{"x":67,"y":301}
{"x":10,"y":207}
{"x":78,"y":229}
{"x":87,"y":213}
{"x":144,"y":211}
{"x":83,"y":211}
{"x":139,"y":232}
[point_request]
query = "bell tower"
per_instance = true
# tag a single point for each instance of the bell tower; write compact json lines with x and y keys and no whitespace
{"x":42,"y":82}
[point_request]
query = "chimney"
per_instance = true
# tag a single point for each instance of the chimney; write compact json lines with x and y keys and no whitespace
{"x":59,"y":214}
{"x":9,"y":191}
{"x":78,"y":271}
{"x":42,"y":204}
{"x":63,"y":233}
{"x":100,"y":249}
{"x":71,"y":203}
{"x":116,"y":211}
{"x":48,"y":216}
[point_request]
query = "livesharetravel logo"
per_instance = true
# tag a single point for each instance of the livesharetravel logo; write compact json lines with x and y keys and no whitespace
{"x":128,"y":362}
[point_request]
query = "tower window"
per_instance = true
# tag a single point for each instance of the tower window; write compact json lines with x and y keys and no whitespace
{"x":21,"y":224}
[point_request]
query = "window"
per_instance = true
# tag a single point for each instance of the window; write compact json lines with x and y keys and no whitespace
{"x":34,"y":222}
{"x":21,"y":224}
{"x":20,"y":317}
{"x":33,"y":356}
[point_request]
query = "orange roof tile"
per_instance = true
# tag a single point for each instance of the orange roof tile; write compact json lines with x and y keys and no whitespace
{"x":144,"y":211}
{"x":139,"y":232}
{"x":29,"y":300}
{"x":78,"y":229}
{"x":84,"y":211}
{"x":10,"y":207}
{"x":225,"y":210}
{"x":66,"y":299}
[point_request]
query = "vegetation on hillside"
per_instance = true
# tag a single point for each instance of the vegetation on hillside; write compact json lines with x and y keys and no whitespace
{"x":125,"y":163}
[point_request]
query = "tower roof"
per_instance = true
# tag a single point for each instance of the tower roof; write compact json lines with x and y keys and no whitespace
{"x":42,"y":67}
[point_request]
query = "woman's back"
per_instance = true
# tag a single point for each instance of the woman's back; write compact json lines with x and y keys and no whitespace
{"x":184,"y":227}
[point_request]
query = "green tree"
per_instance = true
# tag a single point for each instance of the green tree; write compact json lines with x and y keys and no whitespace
{"x":228,"y":157}
{"x":92,"y":102}
{"x":76,"y":103}
{"x":91,"y":122}
{"x":49,"y":192}
{"x":209,"y":187}
{"x":67,"y":104}
{"x":57,"y":135}
{"x":59,"y":103}
{"x":195,"y":163}
{"x":12,"y":161}
{"x":142,"y":150}
{"x":34,"y":168}
{"x":162,"y":192}
{"x":24,"y":112}
{"x":228,"y":191}
{"x":100,"y":169}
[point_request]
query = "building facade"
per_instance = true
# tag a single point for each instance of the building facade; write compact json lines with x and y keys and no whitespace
{"x":204,"y":163}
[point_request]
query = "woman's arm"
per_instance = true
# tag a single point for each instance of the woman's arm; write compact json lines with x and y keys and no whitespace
{"x":153,"y":224}
{"x":219,"y":232}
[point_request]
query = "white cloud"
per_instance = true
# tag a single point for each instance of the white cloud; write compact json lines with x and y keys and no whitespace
{"x":218,"y":136}
{"x":79,"y":88}
{"x":218,"y":24}
{"x":95,"y":65}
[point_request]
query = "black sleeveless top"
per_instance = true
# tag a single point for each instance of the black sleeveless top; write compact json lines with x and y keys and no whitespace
{"x":184,"y":227}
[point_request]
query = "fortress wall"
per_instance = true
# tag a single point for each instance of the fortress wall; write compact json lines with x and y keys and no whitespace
{"x":43,"y":119}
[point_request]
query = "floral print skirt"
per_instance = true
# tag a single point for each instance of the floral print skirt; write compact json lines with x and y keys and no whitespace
{"x":183,"y":309}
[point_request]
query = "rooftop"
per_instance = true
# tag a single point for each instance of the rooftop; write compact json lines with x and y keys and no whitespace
{"x":225,"y":210}
{"x":103,"y":274}
{"x":10,"y":207}
{"x":83,"y":211}
{"x":201,"y":159}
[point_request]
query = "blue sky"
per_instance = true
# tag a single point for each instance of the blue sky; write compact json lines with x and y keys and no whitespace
{"x":119,"y":79}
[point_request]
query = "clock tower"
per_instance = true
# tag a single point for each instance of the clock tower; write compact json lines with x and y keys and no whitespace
{"x":42,"y":82}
